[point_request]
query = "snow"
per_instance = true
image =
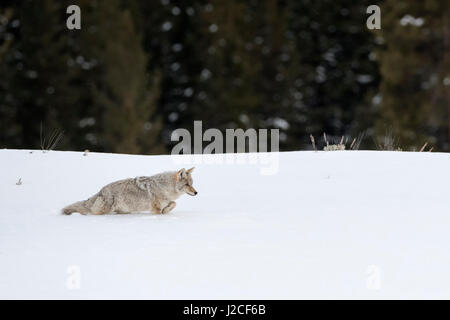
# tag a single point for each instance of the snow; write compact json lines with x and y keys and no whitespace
{"x":326,"y":225}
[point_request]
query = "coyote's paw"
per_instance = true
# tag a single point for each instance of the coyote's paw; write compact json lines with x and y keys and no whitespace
{"x":169,"y":207}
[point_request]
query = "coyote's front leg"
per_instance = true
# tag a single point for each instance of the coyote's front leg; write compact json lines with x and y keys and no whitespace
{"x":169,"y":207}
{"x":155,"y":207}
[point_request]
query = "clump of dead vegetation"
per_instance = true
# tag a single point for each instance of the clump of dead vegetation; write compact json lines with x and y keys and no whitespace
{"x":390,"y":143}
{"x":49,"y":143}
{"x":344,"y":143}
{"x":385,"y":143}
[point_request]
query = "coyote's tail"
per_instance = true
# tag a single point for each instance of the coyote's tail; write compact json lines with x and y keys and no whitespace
{"x":76,"y":207}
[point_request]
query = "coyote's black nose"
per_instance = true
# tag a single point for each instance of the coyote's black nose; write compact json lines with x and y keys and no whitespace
{"x":195,"y":193}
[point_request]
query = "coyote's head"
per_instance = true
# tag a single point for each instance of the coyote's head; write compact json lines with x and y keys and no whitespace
{"x":184,"y":181}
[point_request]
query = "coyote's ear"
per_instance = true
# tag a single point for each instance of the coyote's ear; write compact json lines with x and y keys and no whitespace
{"x":190,"y":170}
{"x":181,"y":173}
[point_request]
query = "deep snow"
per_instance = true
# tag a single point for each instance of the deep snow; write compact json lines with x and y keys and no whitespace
{"x":327,"y":225}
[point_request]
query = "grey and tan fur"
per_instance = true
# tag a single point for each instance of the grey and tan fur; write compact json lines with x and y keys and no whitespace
{"x":155,"y":193}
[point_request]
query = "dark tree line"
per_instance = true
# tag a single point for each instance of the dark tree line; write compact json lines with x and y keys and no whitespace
{"x":139,"y":69}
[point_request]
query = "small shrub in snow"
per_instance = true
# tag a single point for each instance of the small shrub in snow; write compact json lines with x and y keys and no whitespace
{"x":339,"y":146}
{"x":388,"y":142}
{"x":334,"y":147}
{"x":49,"y":143}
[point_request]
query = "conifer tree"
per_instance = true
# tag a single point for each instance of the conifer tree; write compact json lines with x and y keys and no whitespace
{"x":124,"y":93}
{"x":415,"y":64}
{"x":249,"y":66}
{"x":338,"y":74}
{"x":36,"y":89}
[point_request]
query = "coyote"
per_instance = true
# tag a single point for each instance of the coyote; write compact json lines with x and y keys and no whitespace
{"x":156,"y":194}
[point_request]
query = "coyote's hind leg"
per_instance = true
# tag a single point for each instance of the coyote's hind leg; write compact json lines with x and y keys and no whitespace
{"x":169,"y":207}
{"x":99,"y":206}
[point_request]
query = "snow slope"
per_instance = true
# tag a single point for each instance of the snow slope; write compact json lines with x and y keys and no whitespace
{"x":327,"y":225}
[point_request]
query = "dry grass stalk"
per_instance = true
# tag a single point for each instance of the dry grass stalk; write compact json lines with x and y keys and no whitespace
{"x":423,"y":147}
{"x":50,"y":143}
{"x":325,"y":138}
{"x":353,"y":143}
{"x":313,"y":142}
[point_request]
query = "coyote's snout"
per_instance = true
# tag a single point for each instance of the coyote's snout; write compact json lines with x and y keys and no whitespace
{"x":156,"y":194}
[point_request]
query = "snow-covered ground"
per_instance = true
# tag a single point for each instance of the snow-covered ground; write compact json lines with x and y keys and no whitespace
{"x":327,"y":225}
